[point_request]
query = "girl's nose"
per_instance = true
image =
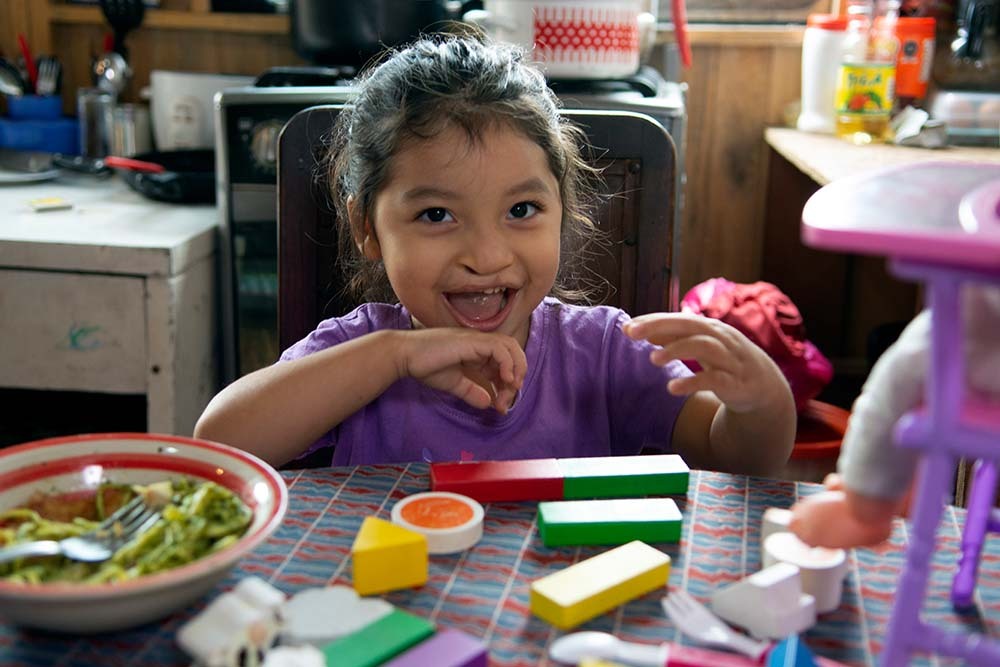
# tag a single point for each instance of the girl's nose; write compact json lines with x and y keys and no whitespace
{"x":486,"y":250}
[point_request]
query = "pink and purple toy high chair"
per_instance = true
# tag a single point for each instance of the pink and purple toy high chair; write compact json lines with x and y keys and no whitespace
{"x":938,"y":223}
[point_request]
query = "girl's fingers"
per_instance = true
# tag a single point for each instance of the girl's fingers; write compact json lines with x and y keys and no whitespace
{"x":662,"y":328}
{"x":472,"y":393}
{"x":708,"y":351}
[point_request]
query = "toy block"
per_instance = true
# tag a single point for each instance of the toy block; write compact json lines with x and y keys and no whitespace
{"x":791,"y":652}
{"x":579,"y":522}
{"x":624,"y":476}
{"x":591,"y":587}
{"x":769,"y":604}
{"x":822,"y":570}
{"x":775,"y":520}
{"x":495,"y":481}
{"x":378,"y":642}
{"x":448,"y":648}
{"x":386,"y":557}
{"x":318,"y":616}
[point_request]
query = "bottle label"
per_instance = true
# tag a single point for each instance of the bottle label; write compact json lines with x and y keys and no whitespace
{"x":866,"y":89}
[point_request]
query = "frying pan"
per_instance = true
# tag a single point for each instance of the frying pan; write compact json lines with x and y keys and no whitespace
{"x":188,"y":177}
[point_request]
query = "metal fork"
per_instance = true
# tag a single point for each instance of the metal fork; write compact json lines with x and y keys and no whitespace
{"x":697,"y":622}
{"x":94,"y":546}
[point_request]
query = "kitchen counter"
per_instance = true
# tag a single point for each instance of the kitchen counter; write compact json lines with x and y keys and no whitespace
{"x":825,"y":158}
{"x":115,"y":295}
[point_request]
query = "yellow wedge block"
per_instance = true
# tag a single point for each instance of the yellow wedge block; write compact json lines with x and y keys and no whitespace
{"x":580,"y":592}
{"x":387,"y":557}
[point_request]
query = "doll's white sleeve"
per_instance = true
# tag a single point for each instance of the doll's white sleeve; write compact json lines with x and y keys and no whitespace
{"x":870,"y":463}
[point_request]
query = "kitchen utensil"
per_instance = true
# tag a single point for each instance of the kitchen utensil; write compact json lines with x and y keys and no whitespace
{"x":111,"y":73}
{"x":123,"y":16}
{"x":697,"y":622}
{"x":49,"y":76}
{"x":11,"y":82}
{"x":29,"y":61}
{"x":577,"y":646}
{"x":188,"y":177}
{"x":31,"y":162}
{"x":96,"y":545}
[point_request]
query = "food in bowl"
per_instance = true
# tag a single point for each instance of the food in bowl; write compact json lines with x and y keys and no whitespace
{"x":78,"y":464}
{"x":196,"y":518}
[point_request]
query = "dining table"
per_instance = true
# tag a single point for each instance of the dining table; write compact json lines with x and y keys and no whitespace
{"x":484,"y":591}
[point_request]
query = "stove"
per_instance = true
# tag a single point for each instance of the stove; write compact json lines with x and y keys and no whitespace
{"x":248,"y":122}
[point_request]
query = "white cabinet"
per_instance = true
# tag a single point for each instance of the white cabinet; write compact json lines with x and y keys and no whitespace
{"x":116,"y":295}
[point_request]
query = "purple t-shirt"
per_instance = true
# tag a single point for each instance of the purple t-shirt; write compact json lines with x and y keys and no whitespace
{"x":589,"y":391}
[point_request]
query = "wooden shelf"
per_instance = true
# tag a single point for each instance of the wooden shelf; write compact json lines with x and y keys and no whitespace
{"x":166,"y":19}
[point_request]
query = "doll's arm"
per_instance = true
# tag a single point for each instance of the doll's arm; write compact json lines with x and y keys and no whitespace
{"x":874,"y":473}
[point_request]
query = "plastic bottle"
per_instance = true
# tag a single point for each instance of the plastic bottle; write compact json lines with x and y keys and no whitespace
{"x":822,"y":52}
{"x":866,"y":85}
{"x":916,"y":54}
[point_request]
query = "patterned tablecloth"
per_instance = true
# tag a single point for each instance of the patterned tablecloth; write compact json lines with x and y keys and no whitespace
{"x":484,"y":591}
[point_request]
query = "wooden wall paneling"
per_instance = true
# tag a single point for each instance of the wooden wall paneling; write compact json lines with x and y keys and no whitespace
{"x":149,"y":49}
{"x":734,"y":92}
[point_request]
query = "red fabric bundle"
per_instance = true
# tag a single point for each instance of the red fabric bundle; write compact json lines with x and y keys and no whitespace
{"x":765,"y":315}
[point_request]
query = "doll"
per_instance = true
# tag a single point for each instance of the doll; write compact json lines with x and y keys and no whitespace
{"x":873,"y":475}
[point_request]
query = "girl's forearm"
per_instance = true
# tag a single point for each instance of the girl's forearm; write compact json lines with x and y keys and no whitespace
{"x":278,"y":411}
{"x":758,"y":442}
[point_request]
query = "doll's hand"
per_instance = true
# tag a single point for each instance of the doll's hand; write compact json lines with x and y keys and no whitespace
{"x":733,"y":367}
{"x":843,"y":519}
{"x":482,"y":369}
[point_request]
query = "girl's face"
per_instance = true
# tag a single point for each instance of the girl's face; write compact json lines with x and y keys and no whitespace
{"x":469,"y":231}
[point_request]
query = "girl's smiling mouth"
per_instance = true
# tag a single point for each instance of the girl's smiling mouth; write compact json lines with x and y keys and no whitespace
{"x":484,"y":310}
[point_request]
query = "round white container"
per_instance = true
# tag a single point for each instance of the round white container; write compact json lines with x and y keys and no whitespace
{"x":822,"y":53}
{"x":822,"y":570}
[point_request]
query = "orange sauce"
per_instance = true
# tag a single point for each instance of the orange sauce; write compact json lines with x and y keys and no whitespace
{"x":437,"y":513}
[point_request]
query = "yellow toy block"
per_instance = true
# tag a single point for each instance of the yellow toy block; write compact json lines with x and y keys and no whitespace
{"x":386,"y":557}
{"x":580,"y":592}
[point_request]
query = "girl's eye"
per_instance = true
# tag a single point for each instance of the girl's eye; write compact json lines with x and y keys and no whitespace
{"x":523,"y":210}
{"x":436,"y":214}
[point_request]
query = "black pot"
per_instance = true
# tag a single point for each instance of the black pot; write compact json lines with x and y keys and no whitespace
{"x":350,"y":32}
{"x":189,"y":177}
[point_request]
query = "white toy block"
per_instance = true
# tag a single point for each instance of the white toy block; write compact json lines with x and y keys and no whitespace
{"x":228,"y":633}
{"x":769,"y":604}
{"x":775,"y":520}
{"x":259,"y":594}
{"x":317,"y":616}
{"x":294,"y":656}
{"x":822,"y":570}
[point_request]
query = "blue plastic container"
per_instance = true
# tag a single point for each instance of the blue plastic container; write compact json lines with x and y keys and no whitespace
{"x":57,"y":135}
{"x":35,"y":107}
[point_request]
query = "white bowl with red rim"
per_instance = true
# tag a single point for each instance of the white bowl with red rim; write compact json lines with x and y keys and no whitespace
{"x":81,"y":463}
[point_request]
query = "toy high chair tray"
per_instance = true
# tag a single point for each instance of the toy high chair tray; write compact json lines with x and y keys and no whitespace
{"x":936,"y":212}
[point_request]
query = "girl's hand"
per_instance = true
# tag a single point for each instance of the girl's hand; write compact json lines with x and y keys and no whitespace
{"x":482,"y":369}
{"x":733,"y":367}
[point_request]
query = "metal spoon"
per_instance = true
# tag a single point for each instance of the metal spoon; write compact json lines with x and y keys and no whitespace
{"x":10,"y":80}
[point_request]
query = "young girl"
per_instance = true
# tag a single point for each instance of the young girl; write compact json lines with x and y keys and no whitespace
{"x":458,"y":186}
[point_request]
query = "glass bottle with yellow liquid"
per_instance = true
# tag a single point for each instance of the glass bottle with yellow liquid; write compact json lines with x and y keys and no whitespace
{"x":867,"y":80}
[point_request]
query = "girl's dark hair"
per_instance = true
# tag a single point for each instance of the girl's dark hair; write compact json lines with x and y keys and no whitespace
{"x":448,"y":81}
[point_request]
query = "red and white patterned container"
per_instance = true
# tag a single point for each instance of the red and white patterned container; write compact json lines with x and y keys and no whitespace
{"x":572,"y":39}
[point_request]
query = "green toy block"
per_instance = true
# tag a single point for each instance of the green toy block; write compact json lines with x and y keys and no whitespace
{"x":624,"y":476}
{"x":585,"y":522}
{"x":379,"y":641}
